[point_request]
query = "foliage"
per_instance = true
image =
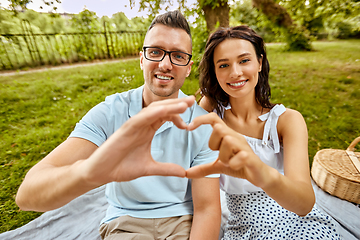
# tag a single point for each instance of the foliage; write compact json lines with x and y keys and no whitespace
{"x":154,"y":6}
{"x":199,"y":34}
{"x":40,"y":22}
{"x":85,"y":21}
{"x":15,"y":5}
{"x":122,"y":23}
{"x":87,"y":41}
{"x":243,"y":12}
{"x":39,"y":110}
{"x":18,"y":52}
{"x":8,"y":23}
{"x":325,"y":16}
{"x":298,"y":39}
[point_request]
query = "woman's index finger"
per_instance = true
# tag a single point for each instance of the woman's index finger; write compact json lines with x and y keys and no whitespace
{"x":210,"y":118}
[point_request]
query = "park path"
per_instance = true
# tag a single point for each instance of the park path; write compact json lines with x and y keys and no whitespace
{"x":63,"y":66}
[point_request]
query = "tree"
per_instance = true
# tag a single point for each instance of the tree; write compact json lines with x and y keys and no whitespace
{"x":85,"y":21}
{"x":121,"y":21}
{"x":245,"y":13}
{"x":337,"y":17}
{"x":297,"y":38}
{"x":21,"y":4}
{"x":216,"y":13}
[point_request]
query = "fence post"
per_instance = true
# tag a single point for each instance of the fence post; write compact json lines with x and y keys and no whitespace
{"x":7,"y":54}
{"x":26,"y":41}
{"x":106,"y":41}
{"x":28,"y":29}
{"x":45,"y":48}
{"x":22,"y":51}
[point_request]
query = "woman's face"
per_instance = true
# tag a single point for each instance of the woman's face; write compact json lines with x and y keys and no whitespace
{"x":236,"y":67}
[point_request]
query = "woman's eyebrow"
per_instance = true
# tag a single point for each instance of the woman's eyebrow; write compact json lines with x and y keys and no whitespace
{"x":226,"y":59}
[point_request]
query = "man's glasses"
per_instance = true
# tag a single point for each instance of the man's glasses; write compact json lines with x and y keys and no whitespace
{"x":176,"y":57}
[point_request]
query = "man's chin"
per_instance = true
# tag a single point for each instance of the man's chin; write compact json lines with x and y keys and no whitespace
{"x":164,"y":93}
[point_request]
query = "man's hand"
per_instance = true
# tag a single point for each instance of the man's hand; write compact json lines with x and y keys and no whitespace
{"x":236,"y":157}
{"x":77,"y":165}
{"x":126,"y":155}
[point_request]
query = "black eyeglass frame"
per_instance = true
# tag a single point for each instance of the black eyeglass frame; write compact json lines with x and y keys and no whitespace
{"x":166,"y":52}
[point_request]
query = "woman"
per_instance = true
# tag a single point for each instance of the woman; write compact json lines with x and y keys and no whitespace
{"x":263,"y":146}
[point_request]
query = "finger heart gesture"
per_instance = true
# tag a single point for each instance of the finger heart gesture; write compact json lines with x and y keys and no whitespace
{"x":126,"y":155}
{"x":236,"y":157}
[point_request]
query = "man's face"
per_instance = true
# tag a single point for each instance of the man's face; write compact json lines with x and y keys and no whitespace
{"x":164,"y":79}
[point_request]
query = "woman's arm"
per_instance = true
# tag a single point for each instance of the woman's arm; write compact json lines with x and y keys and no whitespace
{"x":293,"y":190}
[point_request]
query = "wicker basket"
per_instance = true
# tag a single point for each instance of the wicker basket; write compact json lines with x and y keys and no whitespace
{"x":338,"y":172}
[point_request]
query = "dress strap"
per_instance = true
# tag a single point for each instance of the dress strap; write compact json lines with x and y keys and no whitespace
{"x":270,"y":129}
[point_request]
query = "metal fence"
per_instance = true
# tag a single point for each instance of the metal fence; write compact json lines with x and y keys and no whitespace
{"x":30,"y":49}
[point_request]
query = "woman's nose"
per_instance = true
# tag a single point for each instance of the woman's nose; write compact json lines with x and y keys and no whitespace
{"x":236,"y":71}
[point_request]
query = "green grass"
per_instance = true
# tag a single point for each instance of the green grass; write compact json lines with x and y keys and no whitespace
{"x":39,"y":110}
{"x":324,"y":85}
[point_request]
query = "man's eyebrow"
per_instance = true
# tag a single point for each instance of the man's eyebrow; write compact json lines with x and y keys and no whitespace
{"x":173,"y":50}
{"x":226,"y":59}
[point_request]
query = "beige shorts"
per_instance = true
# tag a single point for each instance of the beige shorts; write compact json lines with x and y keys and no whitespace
{"x":130,"y":228}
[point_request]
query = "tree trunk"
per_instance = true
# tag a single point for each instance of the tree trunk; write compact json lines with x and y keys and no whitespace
{"x":276,"y":13}
{"x":217,"y":11}
{"x":297,"y":38}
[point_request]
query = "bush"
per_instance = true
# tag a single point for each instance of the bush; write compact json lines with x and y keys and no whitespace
{"x":298,"y":40}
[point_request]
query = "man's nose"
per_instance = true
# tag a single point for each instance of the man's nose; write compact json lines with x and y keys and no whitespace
{"x":165,"y":64}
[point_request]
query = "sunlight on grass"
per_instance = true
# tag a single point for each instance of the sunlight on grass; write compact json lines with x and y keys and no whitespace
{"x":39,"y":110}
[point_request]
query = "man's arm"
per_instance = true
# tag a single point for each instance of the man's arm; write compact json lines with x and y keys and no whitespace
{"x":77,"y":166}
{"x":56,"y":180}
{"x":207,"y":210}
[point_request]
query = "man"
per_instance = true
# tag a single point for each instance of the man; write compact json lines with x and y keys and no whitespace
{"x":118,"y":140}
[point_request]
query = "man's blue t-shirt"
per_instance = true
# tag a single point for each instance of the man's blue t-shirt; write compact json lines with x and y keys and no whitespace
{"x":150,"y":196}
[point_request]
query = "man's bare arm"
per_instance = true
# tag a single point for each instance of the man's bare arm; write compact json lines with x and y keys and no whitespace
{"x":207,"y":210}
{"x":77,"y":166}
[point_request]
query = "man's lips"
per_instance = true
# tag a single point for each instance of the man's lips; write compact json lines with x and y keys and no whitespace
{"x":163,"y":77}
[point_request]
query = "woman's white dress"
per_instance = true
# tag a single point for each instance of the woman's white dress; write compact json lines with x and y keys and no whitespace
{"x":253,"y":214}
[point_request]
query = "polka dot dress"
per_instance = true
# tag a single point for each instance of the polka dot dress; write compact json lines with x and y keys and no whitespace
{"x":257,"y":216}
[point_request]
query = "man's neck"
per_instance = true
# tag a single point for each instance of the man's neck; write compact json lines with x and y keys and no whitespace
{"x":147,"y":100}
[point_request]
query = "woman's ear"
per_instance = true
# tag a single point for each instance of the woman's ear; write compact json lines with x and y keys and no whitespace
{"x":260,"y":62}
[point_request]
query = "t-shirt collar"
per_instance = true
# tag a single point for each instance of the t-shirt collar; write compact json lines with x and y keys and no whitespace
{"x":136,"y":101}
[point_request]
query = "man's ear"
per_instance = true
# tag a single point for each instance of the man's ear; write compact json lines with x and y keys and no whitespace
{"x":141,"y":54}
{"x":189,"y":68}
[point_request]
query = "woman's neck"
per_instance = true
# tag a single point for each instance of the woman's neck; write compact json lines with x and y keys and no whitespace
{"x":245,"y":109}
{"x":243,"y":117}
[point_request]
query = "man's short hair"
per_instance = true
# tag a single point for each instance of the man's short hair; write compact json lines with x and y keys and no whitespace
{"x":173,"y":19}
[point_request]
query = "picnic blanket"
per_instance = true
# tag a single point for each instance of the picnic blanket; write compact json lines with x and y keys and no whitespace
{"x":80,"y":218}
{"x":346,"y":214}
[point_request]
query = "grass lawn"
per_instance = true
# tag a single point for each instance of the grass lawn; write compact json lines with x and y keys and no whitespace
{"x":39,"y":110}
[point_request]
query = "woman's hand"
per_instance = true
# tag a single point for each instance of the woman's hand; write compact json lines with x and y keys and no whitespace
{"x":236,"y":158}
